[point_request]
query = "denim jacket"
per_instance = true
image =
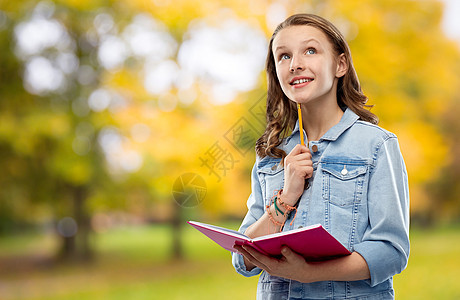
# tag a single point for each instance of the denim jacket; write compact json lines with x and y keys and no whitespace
{"x":358,"y":192}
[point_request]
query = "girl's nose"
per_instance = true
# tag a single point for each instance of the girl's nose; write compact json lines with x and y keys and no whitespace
{"x":296,"y":64}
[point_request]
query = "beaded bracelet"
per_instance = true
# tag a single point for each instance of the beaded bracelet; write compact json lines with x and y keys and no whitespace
{"x":288,"y":208}
{"x":273,"y":219}
{"x":277,"y":209}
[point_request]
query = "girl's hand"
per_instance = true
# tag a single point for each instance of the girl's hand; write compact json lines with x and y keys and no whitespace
{"x":291,"y":265}
{"x":298,"y":167}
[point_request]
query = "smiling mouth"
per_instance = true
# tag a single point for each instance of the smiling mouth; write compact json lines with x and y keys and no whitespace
{"x":300,"y":81}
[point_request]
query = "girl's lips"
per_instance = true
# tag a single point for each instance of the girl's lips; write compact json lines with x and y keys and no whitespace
{"x":299,"y":82}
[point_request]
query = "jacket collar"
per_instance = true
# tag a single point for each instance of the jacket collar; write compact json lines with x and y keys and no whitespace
{"x":348,"y":119}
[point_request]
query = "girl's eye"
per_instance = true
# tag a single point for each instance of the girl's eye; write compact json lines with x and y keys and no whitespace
{"x":284,"y":56}
{"x":311,"y":51}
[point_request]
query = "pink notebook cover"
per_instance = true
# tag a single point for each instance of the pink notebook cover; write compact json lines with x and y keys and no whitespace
{"x":312,"y":242}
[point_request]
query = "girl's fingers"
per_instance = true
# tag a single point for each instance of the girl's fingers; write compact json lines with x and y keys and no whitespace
{"x":303,"y":162}
{"x":298,"y":149}
{"x":301,"y":156}
{"x":252,"y":255}
{"x":309,"y":172}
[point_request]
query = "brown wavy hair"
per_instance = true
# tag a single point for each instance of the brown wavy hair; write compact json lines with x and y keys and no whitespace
{"x":281,"y":112}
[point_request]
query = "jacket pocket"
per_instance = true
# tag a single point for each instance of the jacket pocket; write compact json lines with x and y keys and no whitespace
{"x":343,"y":181}
{"x":272,"y":287}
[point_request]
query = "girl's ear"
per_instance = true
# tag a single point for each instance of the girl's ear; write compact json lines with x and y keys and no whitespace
{"x":342,"y":66}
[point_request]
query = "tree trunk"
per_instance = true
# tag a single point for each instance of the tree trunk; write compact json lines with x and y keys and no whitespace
{"x":176,"y":226}
{"x":68,"y":249}
{"x":75,"y":231}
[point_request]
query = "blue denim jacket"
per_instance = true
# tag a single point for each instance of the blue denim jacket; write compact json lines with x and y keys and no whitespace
{"x":359,"y":193}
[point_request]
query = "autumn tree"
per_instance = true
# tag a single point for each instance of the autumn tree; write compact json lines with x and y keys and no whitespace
{"x":52,"y":139}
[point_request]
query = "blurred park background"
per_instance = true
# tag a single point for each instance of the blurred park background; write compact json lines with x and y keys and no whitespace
{"x":121,"y":120}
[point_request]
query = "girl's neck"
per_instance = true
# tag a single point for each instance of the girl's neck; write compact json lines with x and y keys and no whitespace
{"x":318,"y":119}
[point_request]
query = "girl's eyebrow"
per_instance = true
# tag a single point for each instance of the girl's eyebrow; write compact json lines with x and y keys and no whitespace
{"x":281,"y":47}
{"x":310,"y":40}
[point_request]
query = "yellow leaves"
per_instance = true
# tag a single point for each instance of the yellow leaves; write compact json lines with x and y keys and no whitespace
{"x":7,"y":126}
{"x":49,"y":124}
{"x":424,"y":149}
{"x":83,"y":5}
{"x":407,"y":70}
{"x":126,"y":80}
{"x":175,"y":14}
{"x":180,"y":141}
{"x":36,"y":134}
{"x":237,"y":191}
{"x":77,"y":173}
{"x":426,"y":153}
{"x":42,"y":124}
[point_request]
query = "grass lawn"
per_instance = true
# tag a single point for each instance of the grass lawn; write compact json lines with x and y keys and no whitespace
{"x":133,"y":263}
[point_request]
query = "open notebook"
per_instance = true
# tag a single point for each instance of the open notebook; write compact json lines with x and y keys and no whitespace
{"x":312,"y":242}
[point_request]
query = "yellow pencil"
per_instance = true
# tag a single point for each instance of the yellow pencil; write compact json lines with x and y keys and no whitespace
{"x":307,"y":182}
{"x":300,"y":124}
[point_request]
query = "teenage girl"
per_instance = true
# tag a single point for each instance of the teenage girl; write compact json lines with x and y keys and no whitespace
{"x":349,"y":176}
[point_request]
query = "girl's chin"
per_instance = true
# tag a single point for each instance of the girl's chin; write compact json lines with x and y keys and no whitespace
{"x":300,"y":101}
{"x":300,"y":98}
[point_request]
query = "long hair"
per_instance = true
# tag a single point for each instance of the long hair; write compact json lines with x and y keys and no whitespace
{"x":281,"y":113}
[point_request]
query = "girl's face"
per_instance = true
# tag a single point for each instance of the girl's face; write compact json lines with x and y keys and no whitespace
{"x":306,"y":64}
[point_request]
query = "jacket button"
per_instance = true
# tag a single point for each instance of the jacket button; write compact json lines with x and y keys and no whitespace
{"x":314,"y":148}
{"x":274,"y":168}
